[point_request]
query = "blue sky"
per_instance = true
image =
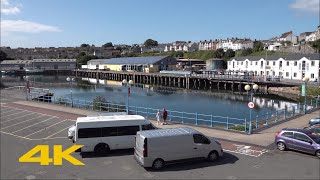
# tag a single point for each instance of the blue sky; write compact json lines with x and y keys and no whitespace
{"x":60,"y":23}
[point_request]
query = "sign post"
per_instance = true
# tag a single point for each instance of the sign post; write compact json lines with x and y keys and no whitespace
{"x":251,"y":106}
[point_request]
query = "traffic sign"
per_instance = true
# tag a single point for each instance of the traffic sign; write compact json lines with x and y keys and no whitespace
{"x":251,"y":105}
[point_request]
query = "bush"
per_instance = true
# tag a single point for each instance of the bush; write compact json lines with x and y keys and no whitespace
{"x":241,"y":127}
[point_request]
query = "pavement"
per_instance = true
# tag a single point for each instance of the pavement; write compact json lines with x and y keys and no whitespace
{"x":263,"y":138}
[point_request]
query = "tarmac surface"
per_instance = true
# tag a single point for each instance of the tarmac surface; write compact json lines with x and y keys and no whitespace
{"x":25,"y":124}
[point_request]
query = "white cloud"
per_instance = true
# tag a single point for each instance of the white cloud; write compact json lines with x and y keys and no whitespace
{"x":309,"y":6}
{"x":8,"y":26}
{"x":7,"y":8}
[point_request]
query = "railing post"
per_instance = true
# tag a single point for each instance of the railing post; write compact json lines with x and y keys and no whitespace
{"x":196,"y":118}
{"x":100,"y":105}
{"x":284,"y":114}
{"x":293,"y":110}
{"x":169,"y":115}
{"x":257,"y":117}
{"x":276,"y":120}
{"x":227,"y":122}
{"x":136,"y":110}
{"x":182,"y":117}
{"x":267,"y":119}
{"x":317,"y":103}
{"x":311,"y":103}
{"x":211,"y":120}
{"x":245,"y":125}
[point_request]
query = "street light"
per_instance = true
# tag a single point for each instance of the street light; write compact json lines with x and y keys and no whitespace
{"x":251,"y":90}
{"x":70,"y":80}
{"x":304,"y":92}
{"x":128,"y":84}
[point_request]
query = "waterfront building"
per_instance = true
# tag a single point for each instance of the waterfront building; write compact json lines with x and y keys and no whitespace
{"x":137,"y":64}
{"x":40,"y":64}
{"x":214,"y":64}
{"x":294,"y":66}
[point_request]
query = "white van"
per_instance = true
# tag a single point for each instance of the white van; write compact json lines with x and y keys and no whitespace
{"x":155,"y":148}
{"x":100,"y":134}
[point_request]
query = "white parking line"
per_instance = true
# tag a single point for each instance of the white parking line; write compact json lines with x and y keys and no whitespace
{"x":45,"y":128}
{"x":27,"y":110}
{"x":17,"y":118}
{"x":31,"y":139}
{"x":14,"y":113}
{"x":32,"y":125}
{"x":22,"y":122}
{"x":7,"y":111}
{"x":58,"y":132}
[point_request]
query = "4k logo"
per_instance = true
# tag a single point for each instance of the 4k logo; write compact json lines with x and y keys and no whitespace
{"x":58,"y":155}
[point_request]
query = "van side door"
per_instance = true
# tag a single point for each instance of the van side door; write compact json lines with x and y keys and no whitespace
{"x":201,"y":146}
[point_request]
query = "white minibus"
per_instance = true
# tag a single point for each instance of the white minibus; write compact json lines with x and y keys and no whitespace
{"x":100,"y":134}
{"x":155,"y":148}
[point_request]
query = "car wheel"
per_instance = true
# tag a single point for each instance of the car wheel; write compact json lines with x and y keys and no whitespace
{"x":158,"y":164}
{"x":213,"y":156}
{"x":281,"y":146}
{"x":318,"y":153}
{"x":101,"y":149}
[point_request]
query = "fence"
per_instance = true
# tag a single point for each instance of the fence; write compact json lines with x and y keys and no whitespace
{"x":198,"y":119}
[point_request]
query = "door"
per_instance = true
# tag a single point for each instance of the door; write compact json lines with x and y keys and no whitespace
{"x":288,"y":139}
{"x":303,"y":143}
{"x":201,"y":145}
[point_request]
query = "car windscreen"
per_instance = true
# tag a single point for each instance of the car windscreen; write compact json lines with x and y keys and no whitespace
{"x":148,"y":127}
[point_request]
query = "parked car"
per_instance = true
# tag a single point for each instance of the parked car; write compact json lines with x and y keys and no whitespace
{"x":314,"y":121}
{"x":156,"y":148}
{"x":298,"y":139}
{"x":315,"y":129}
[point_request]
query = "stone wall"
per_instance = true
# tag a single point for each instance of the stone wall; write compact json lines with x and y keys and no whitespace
{"x":287,"y":92}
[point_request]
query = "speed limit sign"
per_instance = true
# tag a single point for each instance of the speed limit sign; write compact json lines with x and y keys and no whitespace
{"x":251,"y":105}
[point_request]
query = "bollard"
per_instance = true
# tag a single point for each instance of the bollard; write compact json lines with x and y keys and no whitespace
{"x":267,"y":119}
{"x":257,"y":121}
{"x":196,"y":118}
{"x":227,"y":122}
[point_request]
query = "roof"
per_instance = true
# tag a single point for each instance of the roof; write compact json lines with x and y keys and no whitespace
{"x":110,"y":118}
{"x":306,"y":131}
{"x":286,"y":34}
{"x":168,"y":132}
{"x":128,"y":60}
{"x":276,"y":57}
{"x":36,"y":60}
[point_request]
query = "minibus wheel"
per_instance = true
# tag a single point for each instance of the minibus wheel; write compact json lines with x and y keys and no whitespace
{"x":101,"y":149}
{"x":158,"y":164}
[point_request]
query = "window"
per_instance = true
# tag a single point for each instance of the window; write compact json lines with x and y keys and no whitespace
{"x":241,"y":63}
{"x":287,"y":134}
{"x":312,"y":75}
{"x":256,"y":63}
{"x":200,"y":139}
{"x":251,"y":63}
{"x":148,"y":127}
{"x":267,"y":63}
{"x":237,"y":63}
{"x":295,"y":63}
{"x":294,"y":74}
{"x":128,"y":130}
{"x":312,"y":63}
{"x":301,"y":137}
{"x":287,"y":74}
{"x":287,"y":63}
{"x":274,"y":63}
{"x":280,"y":64}
{"x":108,"y":131}
{"x":89,"y":133}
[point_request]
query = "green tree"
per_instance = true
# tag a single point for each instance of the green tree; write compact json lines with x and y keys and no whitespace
{"x":84,"y":45}
{"x":316,"y":45}
{"x":229,"y":54}
{"x":246,"y":52}
{"x":108,"y":44}
{"x":150,"y":43}
{"x":83,"y":58}
{"x":257,"y":46}
{"x":219,"y":53}
{"x":3,"y":55}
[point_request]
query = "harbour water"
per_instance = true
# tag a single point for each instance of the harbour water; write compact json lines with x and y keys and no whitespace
{"x":218,"y":103}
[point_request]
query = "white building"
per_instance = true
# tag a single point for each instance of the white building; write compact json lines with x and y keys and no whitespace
{"x":181,"y":46}
{"x":295,"y":66}
{"x":235,"y":44}
{"x":207,"y":45}
{"x":314,"y":35}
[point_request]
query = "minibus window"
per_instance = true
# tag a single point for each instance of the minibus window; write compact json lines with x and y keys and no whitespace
{"x":89,"y":132}
{"x":109,"y":131}
{"x":128,"y":130}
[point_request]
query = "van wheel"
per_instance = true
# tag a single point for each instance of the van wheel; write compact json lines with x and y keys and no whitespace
{"x":101,"y":149}
{"x":318,"y":153}
{"x":158,"y":164}
{"x":281,"y":146}
{"x":213,"y":156}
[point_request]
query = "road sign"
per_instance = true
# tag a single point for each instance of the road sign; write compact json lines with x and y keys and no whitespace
{"x":251,"y":105}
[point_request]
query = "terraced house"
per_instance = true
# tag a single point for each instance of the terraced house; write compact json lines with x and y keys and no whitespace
{"x":295,"y":66}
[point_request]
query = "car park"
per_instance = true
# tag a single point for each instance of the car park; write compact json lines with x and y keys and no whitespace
{"x":298,"y":139}
{"x":314,"y":121}
{"x":155,"y":148}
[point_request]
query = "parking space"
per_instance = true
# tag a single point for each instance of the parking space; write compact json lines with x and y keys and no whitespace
{"x":32,"y":125}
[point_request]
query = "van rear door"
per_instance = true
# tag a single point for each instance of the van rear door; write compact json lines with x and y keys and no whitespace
{"x":139,"y":146}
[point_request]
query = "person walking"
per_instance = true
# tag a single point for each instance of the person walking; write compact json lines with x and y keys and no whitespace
{"x":158,"y":116}
{"x":164,"y":116}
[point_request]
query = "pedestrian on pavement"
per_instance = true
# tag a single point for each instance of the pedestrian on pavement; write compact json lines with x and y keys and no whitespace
{"x":164,"y":116}
{"x":158,"y":116}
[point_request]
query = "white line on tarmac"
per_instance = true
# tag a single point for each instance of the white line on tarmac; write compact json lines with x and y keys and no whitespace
{"x":17,"y":118}
{"x":58,"y":132}
{"x":15,"y":135}
{"x":29,"y":111}
{"x":14,"y":113}
{"x":31,"y":139}
{"x":241,"y":153}
{"x":8,"y":111}
{"x":45,"y":128}
{"x":22,"y":122}
{"x":32,"y":125}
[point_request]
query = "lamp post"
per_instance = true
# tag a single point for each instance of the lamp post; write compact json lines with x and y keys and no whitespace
{"x":128,"y":84}
{"x":304,"y":92}
{"x":70,"y":80}
{"x":250,"y":89}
